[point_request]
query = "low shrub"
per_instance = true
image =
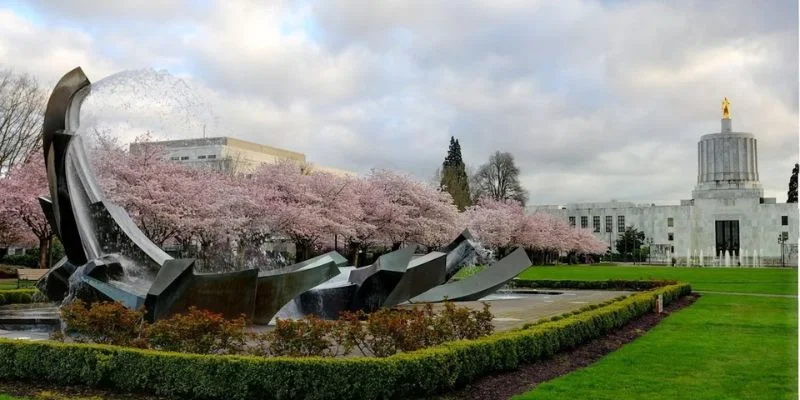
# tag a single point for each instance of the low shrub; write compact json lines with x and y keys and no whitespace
{"x":309,"y":336}
{"x":381,"y":334}
{"x":197,"y":331}
{"x":104,"y":323}
{"x":611,"y":284}
{"x":19,"y":296}
{"x":406,"y":375}
{"x":28,"y":260}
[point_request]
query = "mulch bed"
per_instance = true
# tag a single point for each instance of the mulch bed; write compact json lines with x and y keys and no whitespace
{"x":497,"y":386}
{"x":507,"y":384}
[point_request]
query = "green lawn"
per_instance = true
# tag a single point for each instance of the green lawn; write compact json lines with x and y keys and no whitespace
{"x":722,"y":347}
{"x":740,"y":280}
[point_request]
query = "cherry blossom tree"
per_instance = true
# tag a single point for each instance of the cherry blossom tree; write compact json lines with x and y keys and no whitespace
{"x":497,"y":224}
{"x":424,"y":214}
{"x":152,"y":190}
{"x":503,"y":224}
{"x":25,"y":222}
{"x":310,"y":208}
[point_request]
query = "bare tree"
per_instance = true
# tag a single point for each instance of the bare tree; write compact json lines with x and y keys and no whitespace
{"x":499,"y":179}
{"x":21,"y":108}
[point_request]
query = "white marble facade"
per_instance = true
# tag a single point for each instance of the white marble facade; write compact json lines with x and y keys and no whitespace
{"x":727,"y":189}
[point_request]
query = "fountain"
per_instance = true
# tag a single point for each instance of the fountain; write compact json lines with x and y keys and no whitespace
{"x":688,"y":258}
{"x":740,"y":259}
{"x":109,"y":258}
{"x":702,"y":261}
{"x":727,"y":259}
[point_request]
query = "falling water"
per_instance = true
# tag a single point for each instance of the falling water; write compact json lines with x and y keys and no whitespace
{"x":688,"y":258}
{"x":727,"y":259}
{"x":701,"y":258}
{"x":741,"y":259}
{"x":755,"y":259}
{"x":288,"y":311}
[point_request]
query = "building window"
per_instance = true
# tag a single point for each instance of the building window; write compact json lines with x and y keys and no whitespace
{"x":785,"y":220}
{"x":621,"y":223}
{"x":785,"y":235}
{"x":670,"y":236}
{"x":201,"y":157}
{"x":571,"y":222}
{"x":174,"y":158}
{"x":584,"y":222}
{"x":609,"y":223}
{"x":184,"y":158}
{"x":670,"y":222}
{"x":212,"y":156}
{"x":596,"y":224}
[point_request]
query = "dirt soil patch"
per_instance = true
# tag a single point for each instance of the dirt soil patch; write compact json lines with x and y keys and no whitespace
{"x":507,"y":384}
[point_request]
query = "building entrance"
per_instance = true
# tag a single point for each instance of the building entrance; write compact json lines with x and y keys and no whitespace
{"x":728,"y":237}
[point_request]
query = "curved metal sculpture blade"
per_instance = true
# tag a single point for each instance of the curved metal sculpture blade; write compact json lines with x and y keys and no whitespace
{"x":232,"y":294}
{"x":458,"y":251}
{"x":76,"y":207}
{"x":55,"y":283}
{"x":327,"y":302}
{"x":481,"y":284}
{"x":377,"y":281}
{"x":60,"y":119}
{"x":278,"y":287}
{"x":422,"y":274}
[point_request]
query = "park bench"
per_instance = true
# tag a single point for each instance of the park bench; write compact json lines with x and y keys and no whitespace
{"x":29,"y":275}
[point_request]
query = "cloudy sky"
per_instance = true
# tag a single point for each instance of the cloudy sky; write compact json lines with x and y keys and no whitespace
{"x":596,"y":99}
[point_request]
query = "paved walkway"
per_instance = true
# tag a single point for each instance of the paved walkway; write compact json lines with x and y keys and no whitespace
{"x":787,"y":296}
{"x":512,"y":310}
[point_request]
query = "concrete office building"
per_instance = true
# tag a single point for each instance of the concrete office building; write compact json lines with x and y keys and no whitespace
{"x":231,"y":155}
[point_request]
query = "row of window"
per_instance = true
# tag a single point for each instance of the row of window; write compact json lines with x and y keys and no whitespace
{"x":596,"y":223}
{"x":203,"y":157}
{"x":621,"y":222}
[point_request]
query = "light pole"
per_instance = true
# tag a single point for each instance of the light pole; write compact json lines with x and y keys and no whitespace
{"x":781,"y":240}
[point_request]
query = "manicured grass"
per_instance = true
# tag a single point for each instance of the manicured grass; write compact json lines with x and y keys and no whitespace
{"x":739,"y":280}
{"x":6,"y":284}
{"x":7,"y":397}
{"x":722,"y":347}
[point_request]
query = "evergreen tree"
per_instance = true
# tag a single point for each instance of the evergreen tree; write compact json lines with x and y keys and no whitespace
{"x":793,"y":185}
{"x":630,"y":241}
{"x":454,"y":176}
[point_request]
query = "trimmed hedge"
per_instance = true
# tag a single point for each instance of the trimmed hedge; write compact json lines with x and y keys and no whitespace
{"x":611,"y":284}
{"x":406,"y":375}
{"x":17,"y":296}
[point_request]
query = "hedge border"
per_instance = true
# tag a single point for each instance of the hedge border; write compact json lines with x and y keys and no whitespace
{"x":611,"y":284}
{"x":406,"y":375}
{"x":17,"y":296}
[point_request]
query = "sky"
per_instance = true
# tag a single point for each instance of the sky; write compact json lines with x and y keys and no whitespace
{"x":597,"y":100}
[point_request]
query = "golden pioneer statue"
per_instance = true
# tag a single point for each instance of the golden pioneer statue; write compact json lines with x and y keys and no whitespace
{"x":726,"y":111}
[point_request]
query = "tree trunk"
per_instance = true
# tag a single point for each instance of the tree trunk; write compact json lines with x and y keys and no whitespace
{"x":44,"y":252}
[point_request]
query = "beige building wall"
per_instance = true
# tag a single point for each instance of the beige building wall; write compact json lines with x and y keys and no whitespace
{"x":246,"y":156}
{"x":233,"y":155}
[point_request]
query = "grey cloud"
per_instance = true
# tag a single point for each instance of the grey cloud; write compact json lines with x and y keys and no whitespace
{"x":596,"y":100}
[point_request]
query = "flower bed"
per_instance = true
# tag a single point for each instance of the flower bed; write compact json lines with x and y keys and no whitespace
{"x":405,"y":375}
